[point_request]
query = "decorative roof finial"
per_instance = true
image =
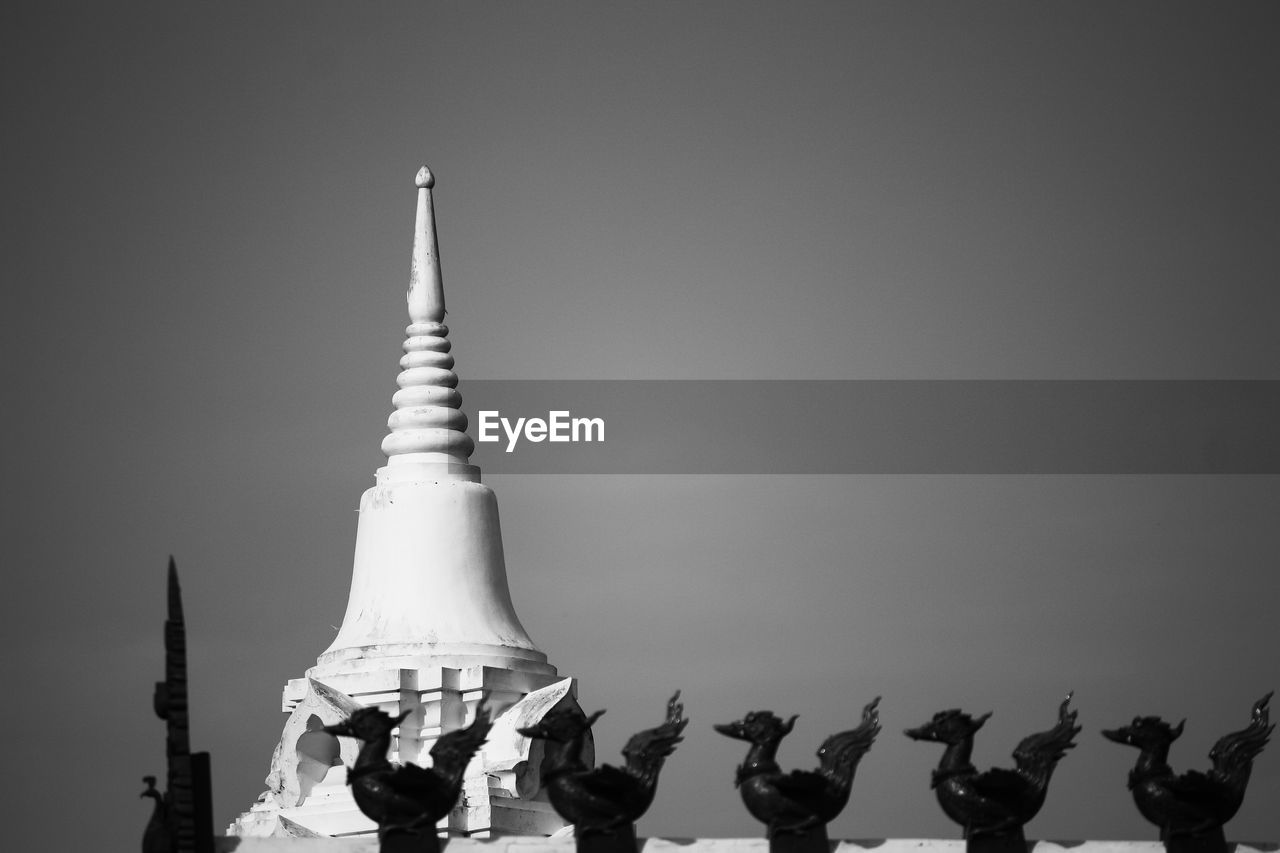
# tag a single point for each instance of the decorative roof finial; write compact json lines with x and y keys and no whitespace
{"x":428,"y":424}
{"x":426,"y":289}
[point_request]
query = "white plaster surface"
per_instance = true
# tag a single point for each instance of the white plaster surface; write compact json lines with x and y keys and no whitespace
{"x":429,"y":578}
{"x":520,"y":844}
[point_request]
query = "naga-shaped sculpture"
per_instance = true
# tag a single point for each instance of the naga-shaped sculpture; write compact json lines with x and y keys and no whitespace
{"x":1192,"y":808}
{"x":603,"y":803}
{"x":406,"y":801}
{"x":156,"y":837}
{"x":993,"y":806}
{"x":796,"y":807}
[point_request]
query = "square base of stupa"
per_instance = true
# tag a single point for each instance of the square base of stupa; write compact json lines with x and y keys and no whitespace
{"x":307,"y":793}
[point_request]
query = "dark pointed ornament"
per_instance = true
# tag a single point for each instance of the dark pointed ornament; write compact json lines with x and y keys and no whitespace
{"x":993,"y":806}
{"x":182,"y":820}
{"x":1191,"y":809}
{"x":603,"y":803}
{"x":796,"y":807}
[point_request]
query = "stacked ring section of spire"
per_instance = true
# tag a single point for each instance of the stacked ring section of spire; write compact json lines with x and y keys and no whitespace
{"x":428,"y":416}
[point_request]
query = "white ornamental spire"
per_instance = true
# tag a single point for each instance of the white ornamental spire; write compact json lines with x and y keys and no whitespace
{"x":426,"y":288}
{"x":429,"y":580}
{"x":428,"y":424}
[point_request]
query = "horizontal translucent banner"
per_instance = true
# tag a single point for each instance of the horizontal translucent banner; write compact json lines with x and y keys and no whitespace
{"x":874,"y":427}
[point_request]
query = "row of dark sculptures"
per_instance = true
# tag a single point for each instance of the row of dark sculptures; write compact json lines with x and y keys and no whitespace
{"x":604,"y":802}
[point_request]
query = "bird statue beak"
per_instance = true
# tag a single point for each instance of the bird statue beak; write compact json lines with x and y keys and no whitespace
{"x":733,"y":730}
{"x":338,"y":729}
{"x":1116,"y":735}
{"x":922,"y":733}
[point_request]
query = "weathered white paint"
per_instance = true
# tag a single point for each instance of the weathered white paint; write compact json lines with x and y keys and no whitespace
{"x":429,"y":626}
{"x":429,"y":582}
{"x":515,"y":844}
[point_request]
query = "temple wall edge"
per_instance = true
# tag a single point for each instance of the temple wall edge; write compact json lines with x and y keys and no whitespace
{"x":519,"y":844}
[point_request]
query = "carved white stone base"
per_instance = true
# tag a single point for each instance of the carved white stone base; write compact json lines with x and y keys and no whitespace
{"x":307,"y":794}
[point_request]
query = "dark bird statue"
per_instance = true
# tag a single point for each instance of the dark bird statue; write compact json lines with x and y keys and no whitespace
{"x":407,"y":801}
{"x":993,"y":806}
{"x":156,"y":838}
{"x":606,"y":800}
{"x":1191,"y":809}
{"x":802,"y":802}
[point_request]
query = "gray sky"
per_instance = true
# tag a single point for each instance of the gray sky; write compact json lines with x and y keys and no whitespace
{"x":209,"y":212}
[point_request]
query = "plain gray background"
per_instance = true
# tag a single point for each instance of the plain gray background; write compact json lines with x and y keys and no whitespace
{"x":208,"y":222}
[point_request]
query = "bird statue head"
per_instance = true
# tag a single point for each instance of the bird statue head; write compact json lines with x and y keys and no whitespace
{"x":758,"y":727}
{"x":950,"y":727}
{"x":367,"y":724}
{"x":561,"y":726}
{"x":1145,"y":733}
{"x":150,"y":782}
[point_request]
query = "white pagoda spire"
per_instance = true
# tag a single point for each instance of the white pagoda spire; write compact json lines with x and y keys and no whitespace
{"x":429,"y":584}
{"x":428,"y":424}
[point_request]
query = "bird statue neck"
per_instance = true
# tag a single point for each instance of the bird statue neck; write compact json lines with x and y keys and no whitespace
{"x":372,"y":756}
{"x":566,"y":756}
{"x":156,"y":837}
{"x":760,"y":759}
{"x":158,"y":812}
{"x":1153,"y":761}
{"x":956,"y":759}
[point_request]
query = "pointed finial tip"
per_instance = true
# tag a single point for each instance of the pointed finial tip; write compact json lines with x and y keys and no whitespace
{"x":424,"y":179}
